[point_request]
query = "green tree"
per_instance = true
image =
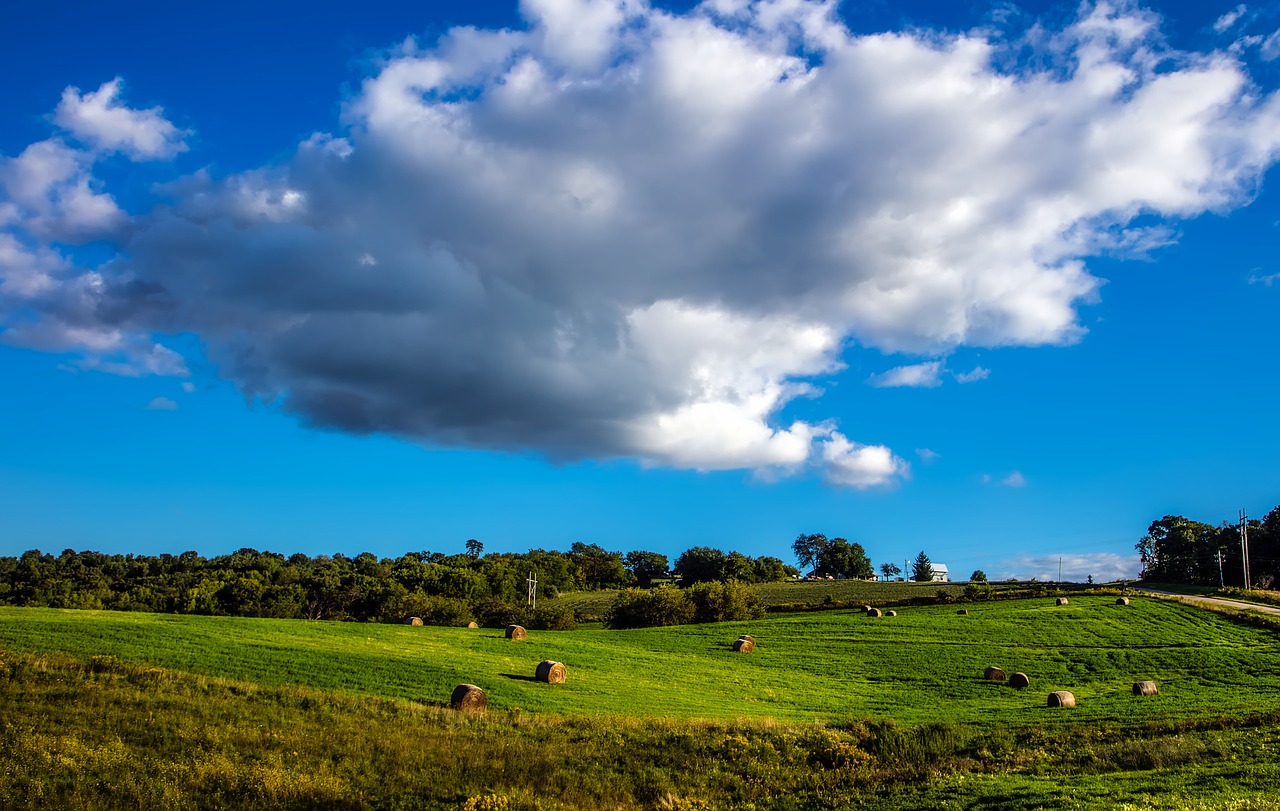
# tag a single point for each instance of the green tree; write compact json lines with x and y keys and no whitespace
{"x":601,"y":569}
{"x":840,"y":558}
{"x":701,"y":564}
{"x":890,"y":570}
{"x":922,"y":569}
{"x":645,"y":566}
{"x":808,"y":548}
{"x":978,"y":576}
{"x":474,"y":549}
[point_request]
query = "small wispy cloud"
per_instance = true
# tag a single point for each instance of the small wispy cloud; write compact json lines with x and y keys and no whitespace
{"x":974,"y":375}
{"x":1014,"y":479}
{"x":918,"y":375}
{"x":162,"y":404}
{"x":188,"y":386}
{"x":927,"y":455}
{"x":1270,"y":48}
{"x":1265,"y":281}
{"x":1229,"y":19}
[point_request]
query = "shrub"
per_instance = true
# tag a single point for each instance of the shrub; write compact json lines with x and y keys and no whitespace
{"x":552,"y":617}
{"x":497,"y":614}
{"x":433,"y":610}
{"x":721,"y":602}
{"x":637,"y":608}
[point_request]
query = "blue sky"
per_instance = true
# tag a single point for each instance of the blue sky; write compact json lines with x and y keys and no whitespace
{"x":990,"y":281}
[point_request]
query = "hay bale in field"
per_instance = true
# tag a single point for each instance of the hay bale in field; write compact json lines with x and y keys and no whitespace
{"x":964,"y":612}
{"x":891,"y":613}
{"x":413,"y":621}
{"x":1062,"y":698}
{"x":866,"y":608}
{"x":747,"y":636}
{"x":1063,"y":601}
{"x":551,"y":672}
{"x":468,"y":698}
{"x":993,"y":674}
{"x":1019,"y":680}
{"x":744,"y":644}
{"x":516,"y":632}
{"x":473,"y":624}
{"x":1122,"y":601}
{"x":1145,"y":688}
{"x":874,"y":612}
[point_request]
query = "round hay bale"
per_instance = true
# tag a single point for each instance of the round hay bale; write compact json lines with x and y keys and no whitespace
{"x":516,"y":632}
{"x":473,"y":624}
{"x":468,"y":698}
{"x":1063,"y":601}
{"x":993,"y":674}
{"x":1019,"y":680}
{"x":747,"y":636}
{"x":866,"y":608}
{"x":891,"y":613}
{"x":551,"y":672}
{"x":875,"y":612}
{"x":964,"y":612}
{"x":1145,"y":688}
{"x":744,"y":645}
{"x":413,"y":621}
{"x":1062,"y":698}
{"x":1122,"y":601}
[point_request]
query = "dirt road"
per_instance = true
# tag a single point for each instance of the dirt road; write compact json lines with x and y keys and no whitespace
{"x":1193,"y":599}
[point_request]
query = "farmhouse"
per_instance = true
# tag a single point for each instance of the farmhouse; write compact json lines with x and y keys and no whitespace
{"x":940,"y":573}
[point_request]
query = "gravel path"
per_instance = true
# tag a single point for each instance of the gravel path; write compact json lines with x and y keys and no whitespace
{"x":1194,"y":599}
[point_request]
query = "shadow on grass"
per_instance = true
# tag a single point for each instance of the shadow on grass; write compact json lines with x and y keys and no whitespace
{"x":514,"y":677}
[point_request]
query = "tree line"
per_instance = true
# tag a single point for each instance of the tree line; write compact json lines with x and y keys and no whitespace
{"x":1177,"y":549}
{"x":441,"y":589}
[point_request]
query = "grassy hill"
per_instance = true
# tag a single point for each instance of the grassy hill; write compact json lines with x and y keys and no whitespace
{"x":833,"y":709}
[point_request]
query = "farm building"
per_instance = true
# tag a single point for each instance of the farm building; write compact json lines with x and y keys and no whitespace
{"x":940,"y":573}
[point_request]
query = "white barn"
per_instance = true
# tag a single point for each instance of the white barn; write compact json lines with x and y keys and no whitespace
{"x":940,"y":573}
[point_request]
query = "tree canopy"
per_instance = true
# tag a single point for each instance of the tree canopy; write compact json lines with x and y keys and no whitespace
{"x":922,"y":568}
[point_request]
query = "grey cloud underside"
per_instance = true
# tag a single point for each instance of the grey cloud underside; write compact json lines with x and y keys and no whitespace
{"x":645,"y":248}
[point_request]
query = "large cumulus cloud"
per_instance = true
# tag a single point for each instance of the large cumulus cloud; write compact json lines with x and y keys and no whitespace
{"x":626,"y":232}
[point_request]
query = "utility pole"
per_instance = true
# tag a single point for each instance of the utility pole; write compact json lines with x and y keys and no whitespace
{"x":1059,"y":569}
{"x":1244,"y":547}
{"x":905,"y":576}
{"x":533,"y":591}
{"x":1221,"y":582}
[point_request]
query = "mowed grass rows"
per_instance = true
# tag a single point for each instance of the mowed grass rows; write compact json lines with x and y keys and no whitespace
{"x":923,"y":665}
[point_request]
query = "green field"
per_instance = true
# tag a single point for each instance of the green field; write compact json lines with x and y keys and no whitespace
{"x":921,"y":665}
{"x":832,"y":710}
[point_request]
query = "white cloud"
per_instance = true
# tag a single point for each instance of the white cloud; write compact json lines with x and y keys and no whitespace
{"x":631,"y":232}
{"x":927,"y":455}
{"x":99,"y":119}
{"x":1269,"y":50}
{"x":920,"y":375}
{"x":973,"y":375}
{"x":50,"y":194}
{"x":1265,"y":281}
{"x":1229,"y":19}
{"x":1014,"y":479}
{"x":849,"y":464}
{"x":188,"y":387}
{"x":162,"y":404}
{"x":1104,"y":567}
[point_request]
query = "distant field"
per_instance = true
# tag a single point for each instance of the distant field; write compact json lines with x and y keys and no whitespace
{"x":591,"y":605}
{"x":919,"y":666}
